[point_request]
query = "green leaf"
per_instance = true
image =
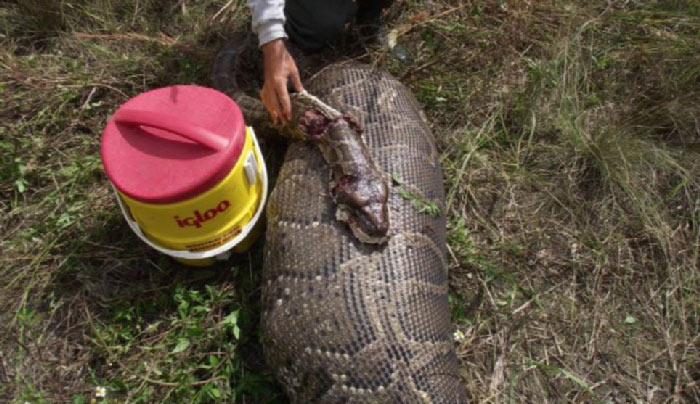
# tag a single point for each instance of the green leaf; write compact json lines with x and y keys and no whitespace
{"x":21,"y":185}
{"x":419,"y":203}
{"x":80,"y":399}
{"x":183,"y":309}
{"x":574,"y":378}
{"x":182,"y":344}
{"x":230,"y":322}
{"x":195,"y":331}
{"x":215,"y":392}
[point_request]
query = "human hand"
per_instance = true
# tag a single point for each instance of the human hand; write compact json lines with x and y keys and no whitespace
{"x":280,"y":68}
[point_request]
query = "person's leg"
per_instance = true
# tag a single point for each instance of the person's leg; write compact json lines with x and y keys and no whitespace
{"x":369,"y":19}
{"x":313,"y":24}
{"x":370,"y":11}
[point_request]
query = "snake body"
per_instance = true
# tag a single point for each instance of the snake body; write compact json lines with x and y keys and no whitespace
{"x":346,"y":321}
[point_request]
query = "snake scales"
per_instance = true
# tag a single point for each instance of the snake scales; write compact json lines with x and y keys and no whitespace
{"x":345,"y":321}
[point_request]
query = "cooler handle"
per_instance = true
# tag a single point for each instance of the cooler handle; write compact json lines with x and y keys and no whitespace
{"x":173,"y":124}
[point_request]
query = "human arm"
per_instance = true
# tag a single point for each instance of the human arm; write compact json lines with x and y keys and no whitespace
{"x":280,"y":68}
{"x":267,"y":19}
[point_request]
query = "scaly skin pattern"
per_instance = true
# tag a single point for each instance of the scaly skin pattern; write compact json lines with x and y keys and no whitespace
{"x":345,"y":321}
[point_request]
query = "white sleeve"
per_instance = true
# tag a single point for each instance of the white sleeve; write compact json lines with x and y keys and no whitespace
{"x":268,"y":19}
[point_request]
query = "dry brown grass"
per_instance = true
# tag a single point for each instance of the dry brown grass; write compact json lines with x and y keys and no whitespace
{"x":570,"y":135}
{"x":574,"y":197}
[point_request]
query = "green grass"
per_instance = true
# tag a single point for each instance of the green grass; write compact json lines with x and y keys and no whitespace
{"x":86,"y":306}
{"x":570,"y":141}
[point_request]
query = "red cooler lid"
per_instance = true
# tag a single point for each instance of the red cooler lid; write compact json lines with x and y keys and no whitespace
{"x":170,"y":144}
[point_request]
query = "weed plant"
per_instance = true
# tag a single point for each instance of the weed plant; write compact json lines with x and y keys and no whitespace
{"x":570,"y":133}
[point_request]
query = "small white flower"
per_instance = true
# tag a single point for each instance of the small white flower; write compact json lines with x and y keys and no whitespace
{"x":459,"y":336}
{"x":575,"y":252}
{"x":100,"y":392}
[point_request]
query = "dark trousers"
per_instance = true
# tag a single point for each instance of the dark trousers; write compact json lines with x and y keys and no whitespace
{"x":313,"y":24}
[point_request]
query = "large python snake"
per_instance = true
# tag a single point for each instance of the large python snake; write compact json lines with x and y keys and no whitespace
{"x":343,"y":320}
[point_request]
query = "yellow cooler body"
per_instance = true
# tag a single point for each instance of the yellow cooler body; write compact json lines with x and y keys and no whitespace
{"x":193,"y":188}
